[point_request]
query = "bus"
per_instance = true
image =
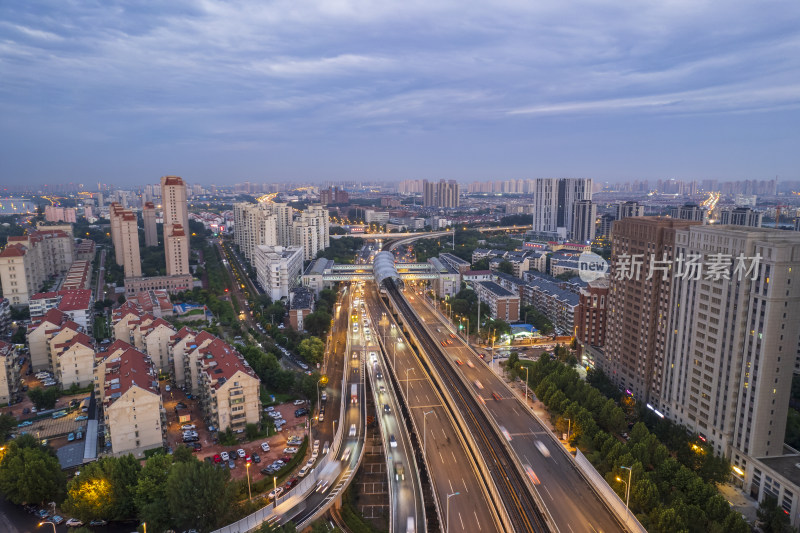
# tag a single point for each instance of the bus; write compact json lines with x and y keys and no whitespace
{"x":353,"y":393}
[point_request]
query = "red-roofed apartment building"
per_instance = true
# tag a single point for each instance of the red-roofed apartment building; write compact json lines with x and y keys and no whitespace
{"x":29,"y":260}
{"x":152,"y":336}
{"x":71,"y":355}
{"x":229,"y":390}
{"x":40,"y":331}
{"x":78,"y":304}
{"x":135,"y":418}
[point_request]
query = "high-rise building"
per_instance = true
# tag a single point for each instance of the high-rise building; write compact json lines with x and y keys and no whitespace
{"x":428,"y":194}
{"x":583,"y":227}
{"x":333,"y":195}
{"x":605,"y":225}
{"x":554,"y":204}
{"x":741,"y":216}
{"x":173,"y":201}
{"x":28,"y":261}
{"x":629,"y":209}
{"x":129,"y":243}
{"x":176,"y":250}
{"x":732,"y":338}
{"x":176,"y":225}
{"x":114,"y":212}
{"x":273,"y":224}
{"x":591,"y":314}
{"x":690,"y":212}
{"x":639,"y":303}
{"x":254,"y":225}
{"x":150,"y":229}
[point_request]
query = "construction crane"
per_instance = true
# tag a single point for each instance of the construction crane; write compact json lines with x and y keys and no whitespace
{"x":778,"y":214}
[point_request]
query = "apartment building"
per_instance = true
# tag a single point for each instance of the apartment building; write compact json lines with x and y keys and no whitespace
{"x":591,"y":314}
{"x":5,"y":317}
{"x":184,"y":349}
{"x":629,"y":209}
{"x":503,"y":304}
{"x":28,"y":261}
{"x":456,"y":262}
{"x":301,"y":300}
{"x":690,"y":212}
{"x":171,"y":284}
{"x":108,"y":353}
{"x":547,"y":295}
{"x":732,"y":339}
{"x":639,"y":303}
{"x":274,"y":224}
{"x":77,"y":304}
{"x":73,"y":358}
{"x":124,"y":319}
{"x":554,"y":205}
{"x":584,"y":221}
{"x":442,"y":194}
{"x":154,"y":334}
{"x":176,"y":249}
{"x":9,"y":373}
{"x":278,"y":269}
{"x":229,"y":389}
{"x":254,"y":225}
{"x":40,"y":331}
{"x":173,"y":201}
{"x":311,"y":231}
{"x":135,"y":418}
{"x":125,"y":238}
{"x":448,"y":280}
{"x":150,"y":227}
{"x":741,"y":216}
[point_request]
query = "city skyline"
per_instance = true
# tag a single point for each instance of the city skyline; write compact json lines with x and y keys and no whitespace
{"x":333,"y":91}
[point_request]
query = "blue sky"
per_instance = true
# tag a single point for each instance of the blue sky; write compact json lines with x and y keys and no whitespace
{"x":125,"y":92}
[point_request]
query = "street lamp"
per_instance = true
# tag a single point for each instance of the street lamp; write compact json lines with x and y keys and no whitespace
{"x":447,"y":529}
{"x":249,"y":494}
{"x":48,"y":522}
{"x":627,"y":488}
{"x":425,"y":432}
{"x":526,"y":384}
{"x":275,"y":489}
{"x":408,"y":398}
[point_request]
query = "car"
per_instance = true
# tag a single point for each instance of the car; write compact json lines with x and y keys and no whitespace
{"x":300,"y":412}
{"x":275,"y":493}
{"x":196,"y":446}
{"x":291,"y":483}
{"x":223,"y":456}
{"x":452,"y":335}
{"x":315,"y":454}
{"x":217,"y":458}
{"x":386,"y":408}
{"x":399,"y":472}
{"x":241,"y":453}
{"x":79,"y":435}
{"x":231,"y":464}
{"x":167,"y":388}
{"x":459,"y":362}
{"x":470,"y":364}
{"x":269,"y":409}
{"x":315,"y":446}
{"x":322,"y":485}
{"x":324,"y":396}
{"x":532,"y":475}
{"x":542,"y":448}
{"x":280,"y":462}
{"x":42,"y":513}
{"x":33,"y":409}
{"x":57,"y":519}
{"x":275,"y":414}
{"x":303,"y":471}
{"x":321,"y":415}
{"x":268,"y":470}
{"x":256,"y":458}
{"x":505,"y":433}
{"x":392,"y":441}
{"x":294,"y":439}
{"x":71,"y":437}
{"x":496,"y":396}
{"x":97,"y":523}
{"x":81,"y":417}
{"x":346,"y":454}
{"x":443,"y":343}
{"x":188,"y":426}
{"x":299,"y":402}
{"x":26,"y":411}
{"x":478,"y":384}
{"x":326,"y":447}
{"x":181,"y":405}
{"x":355,"y":355}
{"x":352,"y":430}
{"x":264,"y":447}
{"x":290,"y":449}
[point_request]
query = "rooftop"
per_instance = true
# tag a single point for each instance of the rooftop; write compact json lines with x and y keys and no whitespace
{"x":495,"y":289}
{"x":300,"y":298}
{"x":130,"y":369}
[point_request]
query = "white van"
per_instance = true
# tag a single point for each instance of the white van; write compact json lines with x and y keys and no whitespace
{"x":410,"y":525}
{"x":304,"y":471}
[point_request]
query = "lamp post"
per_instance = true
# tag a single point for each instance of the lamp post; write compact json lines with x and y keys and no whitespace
{"x":48,"y":522}
{"x":408,"y":398}
{"x":275,"y":489}
{"x":569,"y":427}
{"x":526,"y":384}
{"x":249,"y":494}
{"x":627,"y":489}
{"x":425,"y":432}
{"x":447,"y":529}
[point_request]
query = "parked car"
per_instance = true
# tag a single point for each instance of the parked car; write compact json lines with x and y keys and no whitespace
{"x":231,"y":464}
{"x":299,"y":402}
{"x":97,"y":523}
{"x":57,"y":519}
{"x":188,"y":426}
{"x":256,"y":458}
{"x":264,"y":447}
{"x":217,"y":458}
{"x":241,"y":453}
{"x":290,"y":449}
{"x":81,"y":417}
{"x":275,"y":493}
{"x":74,"y":522}
{"x":223,"y":456}
{"x":71,"y":437}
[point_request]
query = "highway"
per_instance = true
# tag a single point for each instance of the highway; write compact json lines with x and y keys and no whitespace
{"x":570,"y":500}
{"x":512,"y":484}
{"x":405,"y":490}
{"x":448,"y":459}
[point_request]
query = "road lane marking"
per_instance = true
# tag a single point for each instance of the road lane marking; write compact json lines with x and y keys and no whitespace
{"x":570,"y":528}
{"x":441,"y":457}
{"x":450,"y":482}
{"x":461,"y":520}
{"x":454,"y":456}
{"x":465,"y":487}
{"x":476,"y":519}
{"x":548,"y":492}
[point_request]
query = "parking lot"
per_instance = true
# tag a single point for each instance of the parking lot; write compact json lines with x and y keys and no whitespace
{"x":207,"y":440}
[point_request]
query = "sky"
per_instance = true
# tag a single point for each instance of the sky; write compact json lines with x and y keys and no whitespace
{"x":312,"y":91}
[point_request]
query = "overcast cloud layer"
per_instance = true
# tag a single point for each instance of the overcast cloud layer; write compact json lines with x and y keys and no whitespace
{"x":347,"y":89}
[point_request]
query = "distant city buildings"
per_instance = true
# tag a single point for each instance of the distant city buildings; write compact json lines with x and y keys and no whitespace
{"x":333,"y":195}
{"x":585,"y":220}
{"x":690,"y":212}
{"x":150,"y":228}
{"x":554,"y":206}
{"x":277,"y":224}
{"x":60,"y":214}
{"x":442,"y":194}
{"x":741,"y":216}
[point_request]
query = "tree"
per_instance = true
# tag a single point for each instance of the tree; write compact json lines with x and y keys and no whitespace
{"x":312,"y":350}
{"x":44,"y":398}
{"x":506,"y":268}
{"x":772,"y":517}
{"x":317,"y":323}
{"x":30,"y":474}
{"x":104,"y":490}
{"x":7,"y":425}
{"x":184,"y":454}
{"x":199,"y":495}
{"x":150,"y":495}
{"x":251,"y":431}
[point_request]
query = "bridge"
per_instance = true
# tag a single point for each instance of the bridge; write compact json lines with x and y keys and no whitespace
{"x":430,"y":234}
